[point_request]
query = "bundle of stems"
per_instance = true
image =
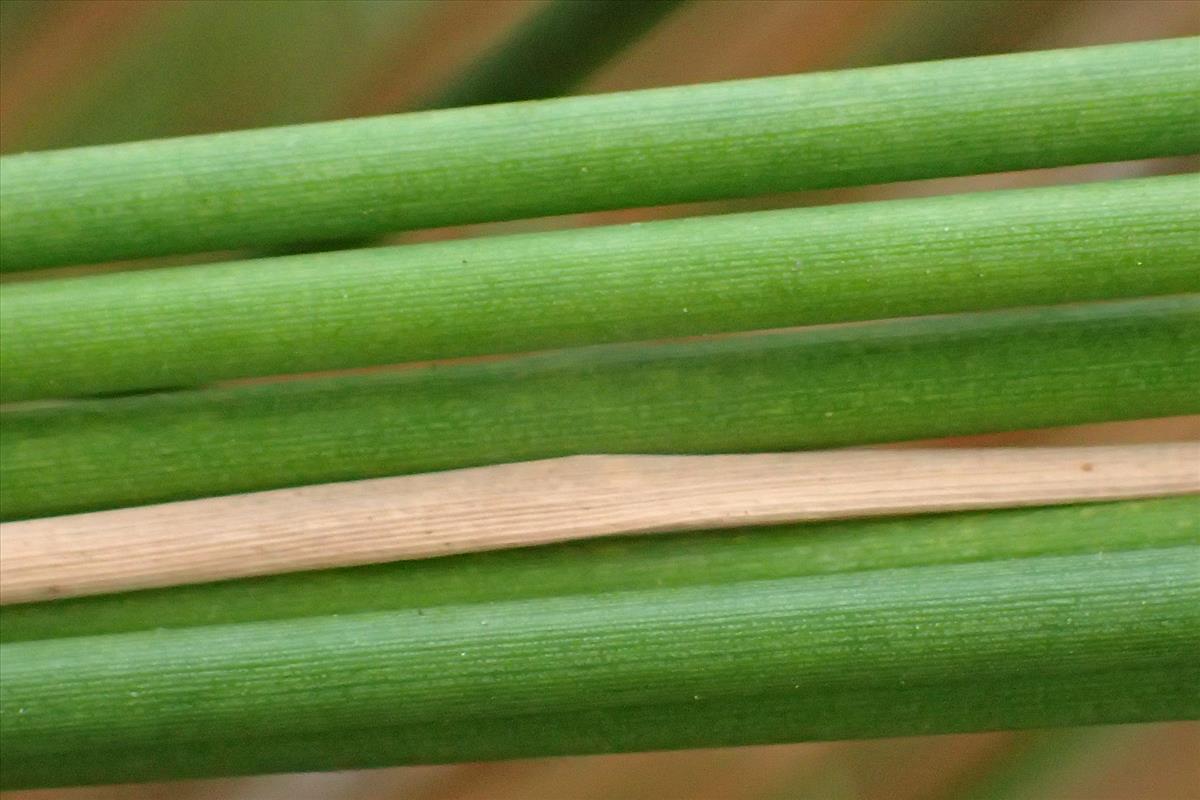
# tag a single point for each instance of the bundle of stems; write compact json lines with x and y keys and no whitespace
{"x":600,"y":566}
{"x":339,"y":180}
{"x":508,"y":294}
{"x":810,"y":388}
{"x":1069,"y":638}
{"x":1057,"y":306}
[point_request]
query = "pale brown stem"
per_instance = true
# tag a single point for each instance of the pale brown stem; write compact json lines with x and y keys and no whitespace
{"x":538,"y":502}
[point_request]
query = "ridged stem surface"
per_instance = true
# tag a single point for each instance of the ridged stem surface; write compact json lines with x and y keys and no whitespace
{"x":601,"y":566}
{"x":337,"y":180}
{"x":651,"y":661}
{"x":189,"y":326}
{"x":810,"y":388}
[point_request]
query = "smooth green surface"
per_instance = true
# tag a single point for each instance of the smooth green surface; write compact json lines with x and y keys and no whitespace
{"x":553,"y":51}
{"x":606,"y":565}
{"x":77,"y":708}
{"x":810,"y":388}
{"x":193,"y":325}
{"x":330,"y":181}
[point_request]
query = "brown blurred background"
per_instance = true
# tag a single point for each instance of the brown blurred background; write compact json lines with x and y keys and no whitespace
{"x":78,"y":72}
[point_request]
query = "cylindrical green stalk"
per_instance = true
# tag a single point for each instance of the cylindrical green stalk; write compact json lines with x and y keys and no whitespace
{"x":193,"y":325}
{"x":361,"y":177}
{"x":651,"y":662}
{"x":607,"y":565}
{"x":810,"y":388}
{"x":964,"y":705}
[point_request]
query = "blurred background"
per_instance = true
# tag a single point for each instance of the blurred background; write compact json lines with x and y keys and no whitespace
{"x":80,"y":72}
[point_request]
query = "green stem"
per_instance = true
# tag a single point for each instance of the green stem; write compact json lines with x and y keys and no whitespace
{"x":548,"y":54}
{"x":607,"y":565}
{"x":553,"y":51}
{"x":811,"y":388}
{"x":190,"y":326}
{"x":954,"y":706}
{"x":362,"y":177}
{"x":96,"y":708}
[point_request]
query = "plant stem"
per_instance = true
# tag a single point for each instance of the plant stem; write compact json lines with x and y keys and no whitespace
{"x":192,"y":325}
{"x":550,"y":53}
{"x":335,"y":180}
{"x":962,"y":705}
{"x":100,"y":704}
{"x":811,"y":388}
{"x":601,"y":566}
{"x":553,"y":500}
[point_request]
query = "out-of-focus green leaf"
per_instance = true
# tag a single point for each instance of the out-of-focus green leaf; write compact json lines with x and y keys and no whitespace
{"x":210,"y":65}
{"x":553,"y":51}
